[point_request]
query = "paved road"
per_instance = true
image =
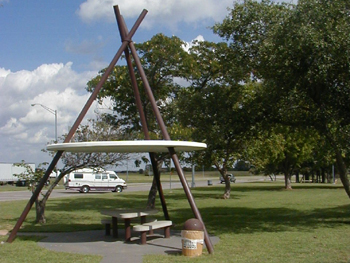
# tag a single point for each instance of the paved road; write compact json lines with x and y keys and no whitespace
{"x":57,"y":193}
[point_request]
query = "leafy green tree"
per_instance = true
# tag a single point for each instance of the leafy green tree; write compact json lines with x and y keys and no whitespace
{"x":216,"y":102}
{"x":163,"y":59}
{"x":323,"y":159}
{"x":301,"y":55}
{"x":282,"y":149}
{"x":32,"y":178}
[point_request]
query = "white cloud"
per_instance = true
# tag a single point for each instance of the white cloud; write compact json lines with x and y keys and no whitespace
{"x":13,"y":126}
{"x":25,"y":130}
{"x":188,"y":45}
{"x":164,"y":12}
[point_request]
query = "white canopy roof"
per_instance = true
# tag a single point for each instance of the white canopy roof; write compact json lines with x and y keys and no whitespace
{"x":128,"y":146}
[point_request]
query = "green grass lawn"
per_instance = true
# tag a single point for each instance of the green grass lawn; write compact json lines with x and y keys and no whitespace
{"x":260,"y":223}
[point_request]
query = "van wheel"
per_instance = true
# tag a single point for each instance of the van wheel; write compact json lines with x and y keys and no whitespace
{"x":85,"y":189}
{"x":118,"y":189}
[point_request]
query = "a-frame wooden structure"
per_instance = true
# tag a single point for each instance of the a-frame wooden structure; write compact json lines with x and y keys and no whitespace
{"x":126,"y":47}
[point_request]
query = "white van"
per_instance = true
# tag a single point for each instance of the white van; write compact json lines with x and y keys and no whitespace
{"x":84,"y":180}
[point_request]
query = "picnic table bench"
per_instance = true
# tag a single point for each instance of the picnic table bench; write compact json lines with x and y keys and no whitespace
{"x":147,"y":227}
{"x":127,"y":215}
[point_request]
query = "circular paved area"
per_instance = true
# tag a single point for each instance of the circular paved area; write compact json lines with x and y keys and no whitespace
{"x":112,"y":249}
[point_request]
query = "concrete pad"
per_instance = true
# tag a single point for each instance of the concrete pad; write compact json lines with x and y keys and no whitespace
{"x":112,"y":249}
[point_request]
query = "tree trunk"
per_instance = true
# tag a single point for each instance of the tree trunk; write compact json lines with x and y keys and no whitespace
{"x":340,"y":164}
{"x":151,"y":201}
{"x":40,"y":211}
{"x":287,"y":181}
{"x":297,"y":180}
{"x":223,"y":172}
{"x":342,"y":171}
{"x":227,"y":193}
{"x":323,"y":174}
{"x":307,"y":176}
{"x":40,"y":205}
{"x":319,"y":176}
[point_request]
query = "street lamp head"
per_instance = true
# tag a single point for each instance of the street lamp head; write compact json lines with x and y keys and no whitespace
{"x":51,"y":111}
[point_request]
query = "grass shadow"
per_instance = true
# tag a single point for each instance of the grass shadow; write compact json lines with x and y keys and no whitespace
{"x":220,"y":220}
{"x":257,"y":207}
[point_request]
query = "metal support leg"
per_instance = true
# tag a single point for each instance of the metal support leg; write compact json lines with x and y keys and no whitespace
{"x":115,"y":227}
{"x":127,"y":229}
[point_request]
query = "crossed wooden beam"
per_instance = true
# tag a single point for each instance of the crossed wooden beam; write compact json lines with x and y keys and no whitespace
{"x":126,"y":47}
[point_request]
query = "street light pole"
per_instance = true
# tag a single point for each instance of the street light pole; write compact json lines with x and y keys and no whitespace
{"x":51,"y":111}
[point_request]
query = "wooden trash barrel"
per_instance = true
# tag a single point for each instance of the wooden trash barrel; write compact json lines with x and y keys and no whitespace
{"x":192,"y":242}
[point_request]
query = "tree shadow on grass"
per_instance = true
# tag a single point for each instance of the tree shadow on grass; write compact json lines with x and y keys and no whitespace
{"x":222,"y":217}
{"x":243,"y":220}
{"x":269,"y":186}
{"x":221,"y":220}
{"x":317,"y":186}
{"x":81,"y":213}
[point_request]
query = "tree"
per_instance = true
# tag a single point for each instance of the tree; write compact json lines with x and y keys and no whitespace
{"x":163,"y":60}
{"x":95,"y":130}
{"x":216,"y":100}
{"x":301,"y":55}
{"x":282,"y":149}
{"x":32,"y":177}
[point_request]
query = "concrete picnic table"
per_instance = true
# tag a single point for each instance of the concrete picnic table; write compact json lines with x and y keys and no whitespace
{"x":127,"y":215}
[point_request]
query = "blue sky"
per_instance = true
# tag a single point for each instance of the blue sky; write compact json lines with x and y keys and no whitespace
{"x":36,"y":32}
{"x":39,"y":32}
{"x":50,"y":49}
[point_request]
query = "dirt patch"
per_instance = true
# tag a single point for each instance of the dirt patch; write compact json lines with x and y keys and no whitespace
{"x":3,"y":232}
